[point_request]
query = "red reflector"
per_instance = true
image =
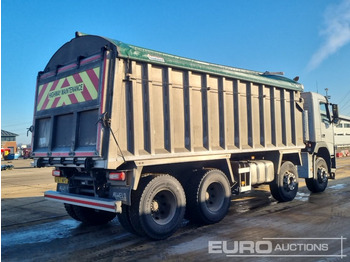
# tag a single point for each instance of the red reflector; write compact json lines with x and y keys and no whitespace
{"x":118,"y":176}
{"x":56,"y":172}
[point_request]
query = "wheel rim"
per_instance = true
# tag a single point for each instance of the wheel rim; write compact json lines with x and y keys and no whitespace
{"x":322,"y":175}
{"x":163,"y":207}
{"x":214,"y":196}
{"x":289,"y":181}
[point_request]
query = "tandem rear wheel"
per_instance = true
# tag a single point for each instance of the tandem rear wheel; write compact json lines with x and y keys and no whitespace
{"x":159,"y":204}
{"x":158,"y":207}
{"x":208,"y":196}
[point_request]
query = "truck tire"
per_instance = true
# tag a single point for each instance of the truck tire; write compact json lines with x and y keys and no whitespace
{"x":124,"y":219}
{"x":158,"y":206}
{"x":320,"y":181}
{"x":285,"y":185}
{"x":70,"y":210}
{"x":91,"y":216}
{"x":208,"y":197}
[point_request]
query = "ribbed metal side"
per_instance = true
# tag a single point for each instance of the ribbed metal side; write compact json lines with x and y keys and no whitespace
{"x":160,"y":111}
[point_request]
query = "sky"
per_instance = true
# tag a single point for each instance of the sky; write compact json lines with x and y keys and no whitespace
{"x":309,"y":39}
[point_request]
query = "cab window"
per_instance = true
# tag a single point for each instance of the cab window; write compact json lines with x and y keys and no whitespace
{"x":324,"y":113}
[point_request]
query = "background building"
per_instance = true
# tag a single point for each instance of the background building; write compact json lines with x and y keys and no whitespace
{"x":342,"y":133}
{"x":8,"y":140}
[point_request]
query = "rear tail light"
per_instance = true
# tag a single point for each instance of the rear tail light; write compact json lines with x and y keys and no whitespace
{"x":56,"y":172}
{"x":117,"y":176}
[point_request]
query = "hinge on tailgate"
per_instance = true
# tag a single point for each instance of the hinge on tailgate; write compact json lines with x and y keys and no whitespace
{"x":30,"y":129}
{"x":106,"y":122}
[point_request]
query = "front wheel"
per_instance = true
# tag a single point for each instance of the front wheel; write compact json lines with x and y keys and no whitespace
{"x":285,"y":185}
{"x":320,"y":181}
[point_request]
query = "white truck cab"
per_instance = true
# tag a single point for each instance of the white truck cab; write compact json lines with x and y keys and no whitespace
{"x":319,"y":154}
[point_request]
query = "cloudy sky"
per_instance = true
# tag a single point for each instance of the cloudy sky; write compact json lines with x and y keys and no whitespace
{"x":309,"y":39}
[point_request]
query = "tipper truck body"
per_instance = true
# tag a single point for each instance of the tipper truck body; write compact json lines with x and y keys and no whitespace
{"x":153,"y":138}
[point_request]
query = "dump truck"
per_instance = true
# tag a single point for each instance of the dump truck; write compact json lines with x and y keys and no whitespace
{"x":154,"y":138}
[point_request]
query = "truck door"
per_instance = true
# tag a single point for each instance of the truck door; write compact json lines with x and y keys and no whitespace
{"x":326,"y":126}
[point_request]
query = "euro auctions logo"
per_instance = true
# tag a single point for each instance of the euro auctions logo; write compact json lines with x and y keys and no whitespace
{"x":280,"y":247}
{"x":240,"y":247}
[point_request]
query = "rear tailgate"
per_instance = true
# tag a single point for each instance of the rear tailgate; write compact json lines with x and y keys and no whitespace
{"x":69,"y":103}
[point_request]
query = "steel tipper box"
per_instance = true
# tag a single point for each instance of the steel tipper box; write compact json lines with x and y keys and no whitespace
{"x":103,"y":100}
{"x":108,"y":114}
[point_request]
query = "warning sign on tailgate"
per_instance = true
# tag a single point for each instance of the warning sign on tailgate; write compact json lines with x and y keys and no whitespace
{"x":73,"y":89}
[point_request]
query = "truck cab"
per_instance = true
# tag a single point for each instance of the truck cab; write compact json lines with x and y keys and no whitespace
{"x":319,"y":154}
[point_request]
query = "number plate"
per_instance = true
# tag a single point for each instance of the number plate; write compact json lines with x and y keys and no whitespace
{"x":61,"y":180}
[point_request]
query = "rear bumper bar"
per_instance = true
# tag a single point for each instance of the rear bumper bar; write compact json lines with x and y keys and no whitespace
{"x":85,"y":201}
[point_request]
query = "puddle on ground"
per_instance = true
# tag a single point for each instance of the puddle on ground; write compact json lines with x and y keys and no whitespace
{"x":256,"y":199}
{"x":338,"y":186}
{"x":40,"y":233}
{"x":302,"y":196}
{"x":190,"y":246}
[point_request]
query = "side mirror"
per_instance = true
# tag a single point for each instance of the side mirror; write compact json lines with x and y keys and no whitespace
{"x":335,"y":113}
